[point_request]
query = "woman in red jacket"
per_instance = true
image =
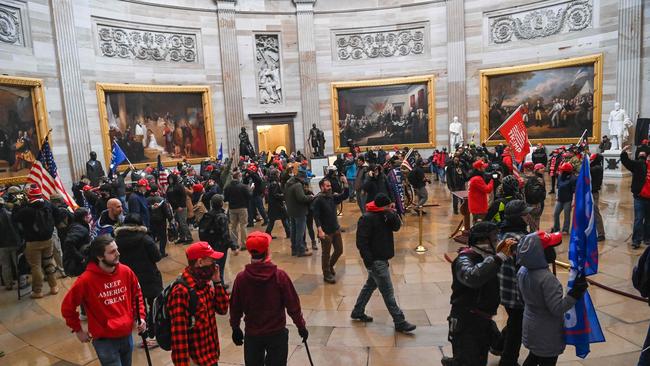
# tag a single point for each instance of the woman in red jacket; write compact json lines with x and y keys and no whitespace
{"x":478,"y":191}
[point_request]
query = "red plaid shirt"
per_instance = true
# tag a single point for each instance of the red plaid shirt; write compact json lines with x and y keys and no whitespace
{"x":201,"y":344}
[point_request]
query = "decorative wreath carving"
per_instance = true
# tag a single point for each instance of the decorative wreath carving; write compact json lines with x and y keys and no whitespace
{"x":10,"y":28}
{"x":371,"y":45}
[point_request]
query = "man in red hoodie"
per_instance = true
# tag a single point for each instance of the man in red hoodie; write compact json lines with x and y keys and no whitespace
{"x":110,"y":294}
{"x":478,"y":190}
{"x":261,"y":293}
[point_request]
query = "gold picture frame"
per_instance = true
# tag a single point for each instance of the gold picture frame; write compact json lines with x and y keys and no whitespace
{"x":590,"y":64}
{"x":206,"y":104}
{"x":428,"y":80}
{"x":41,"y":127}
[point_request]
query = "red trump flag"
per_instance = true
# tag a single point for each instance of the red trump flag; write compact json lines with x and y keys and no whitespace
{"x":514,"y":131}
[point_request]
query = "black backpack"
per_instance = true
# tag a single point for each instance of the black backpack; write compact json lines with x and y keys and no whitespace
{"x":160,"y":314}
{"x":534,"y":191}
{"x":641,"y":274}
{"x":209,"y":230}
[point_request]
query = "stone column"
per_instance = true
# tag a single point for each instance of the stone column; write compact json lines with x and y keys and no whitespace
{"x":456,"y":94}
{"x":628,"y":67}
{"x":72,"y":89}
{"x":308,"y":74}
{"x":230,"y":71}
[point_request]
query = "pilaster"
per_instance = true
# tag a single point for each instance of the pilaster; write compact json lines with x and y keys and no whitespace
{"x":628,"y":67}
{"x":456,"y":81}
{"x":71,"y":86}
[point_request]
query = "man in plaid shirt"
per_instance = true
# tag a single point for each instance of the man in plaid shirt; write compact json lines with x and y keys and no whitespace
{"x":195,"y":340}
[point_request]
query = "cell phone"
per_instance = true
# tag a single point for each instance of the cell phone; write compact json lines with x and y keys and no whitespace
{"x":495,"y":176}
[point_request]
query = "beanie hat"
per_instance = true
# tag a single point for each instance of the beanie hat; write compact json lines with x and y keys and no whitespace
{"x":566,"y":168}
{"x":539,"y":166}
{"x":34,"y":192}
{"x":381,"y":200}
{"x":216,"y":201}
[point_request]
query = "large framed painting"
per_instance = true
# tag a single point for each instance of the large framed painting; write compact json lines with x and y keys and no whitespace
{"x":559,"y":99}
{"x":384,"y":113}
{"x":174,"y":122}
{"x":23,"y":126}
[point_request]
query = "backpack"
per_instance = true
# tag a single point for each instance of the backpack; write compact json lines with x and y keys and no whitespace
{"x":43,"y":223}
{"x":641,"y":274}
{"x":534,"y":191}
{"x":209,"y":229}
{"x":162,"y":323}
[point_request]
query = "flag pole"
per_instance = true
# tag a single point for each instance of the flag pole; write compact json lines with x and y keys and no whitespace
{"x":582,"y":137}
{"x":126,"y":157}
{"x":504,"y":122}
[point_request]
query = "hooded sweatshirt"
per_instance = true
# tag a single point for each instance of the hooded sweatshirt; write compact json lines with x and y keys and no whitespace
{"x":545,"y":305}
{"x":266,"y":281}
{"x":109,"y":300}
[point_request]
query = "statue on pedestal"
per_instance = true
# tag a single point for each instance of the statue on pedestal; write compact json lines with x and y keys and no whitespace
{"x":317,"y":140}
{"x":455,"y":134}
{"x":619,"y":122}
{"x":94,"y":170}
{"x":245,"y":146}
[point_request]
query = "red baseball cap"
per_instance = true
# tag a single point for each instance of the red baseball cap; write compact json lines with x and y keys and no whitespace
{"x":566,"y":167}
{"x":143,"y":183}
{"x":201,"y":249}
{"x":258,"y":242}
{"x":549,"y":239}
{"x":539,"y":166}
{"x":198,"y":187}
{"x":34,"y":191}
{"x":209,"y":168}
{"x":593,"y":157}
{"x":479,"y":164}
{"x":529,"y":165}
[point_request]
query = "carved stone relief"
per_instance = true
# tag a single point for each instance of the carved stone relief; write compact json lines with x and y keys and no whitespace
{"x":380,"y":44}
{"x":267,"y":66}
{"x":147,"y":45}
{"x":11,"y":27}
{"x":545,"y":21}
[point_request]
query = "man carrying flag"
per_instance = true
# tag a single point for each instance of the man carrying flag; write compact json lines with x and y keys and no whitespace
{"x":581,"y":326}
{"x":220,"y":156}
{"x":514,"y":131}
{"x":162,"y":177}
{"x":118,"y":157}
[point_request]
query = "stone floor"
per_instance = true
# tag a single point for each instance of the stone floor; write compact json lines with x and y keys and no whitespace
{"x":32,"y":332}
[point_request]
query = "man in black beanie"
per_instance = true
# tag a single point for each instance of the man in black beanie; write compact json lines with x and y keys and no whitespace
{"x":375,"y":242}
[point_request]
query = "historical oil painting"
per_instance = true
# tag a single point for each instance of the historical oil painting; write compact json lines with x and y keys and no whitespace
{"x":23,"y":124}
{"x":559,"y":100}
{"x":383,"y":113}
{"x":146,"y":121}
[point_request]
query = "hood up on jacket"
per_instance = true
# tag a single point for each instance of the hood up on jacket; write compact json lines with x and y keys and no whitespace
{"x":530,"y":253}
{"x":130,"y":229}
{"x":261,"y":272}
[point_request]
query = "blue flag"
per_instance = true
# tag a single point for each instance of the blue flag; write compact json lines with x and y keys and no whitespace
{"x":220,"y":156}
{"x":118,"y":156}
{"x":581,"y":326}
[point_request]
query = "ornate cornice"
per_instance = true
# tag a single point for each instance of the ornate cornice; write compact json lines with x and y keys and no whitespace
{"x":146,"y":43}
{"x":550,"y":18}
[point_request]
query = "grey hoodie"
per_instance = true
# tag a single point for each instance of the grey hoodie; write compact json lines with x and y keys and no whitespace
{"x":545,"y":305}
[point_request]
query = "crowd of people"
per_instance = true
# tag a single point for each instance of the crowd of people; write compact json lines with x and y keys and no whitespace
{"x":114,"y":240}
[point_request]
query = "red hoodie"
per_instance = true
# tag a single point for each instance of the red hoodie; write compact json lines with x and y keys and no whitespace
{"x":109,"y":300}
{"x":264,"y":317}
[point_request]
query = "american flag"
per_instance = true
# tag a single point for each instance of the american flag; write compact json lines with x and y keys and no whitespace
{"x":162,"y":177}
{"x":44,"y":174}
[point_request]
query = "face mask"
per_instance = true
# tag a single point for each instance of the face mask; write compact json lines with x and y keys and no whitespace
{"x":203,"y":273}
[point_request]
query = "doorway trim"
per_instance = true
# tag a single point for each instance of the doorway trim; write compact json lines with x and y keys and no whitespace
{"x":280,"y":118}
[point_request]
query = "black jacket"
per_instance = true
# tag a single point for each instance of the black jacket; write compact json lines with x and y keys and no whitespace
{"x":140,"y":253}
{"x":176,"y":196}
{"x":539,"y":156}
{"x":324,"y":210}
{"x":596,"y":177}
{"x":566,"y":187}
{"x":375,"y":185}
{"x":474,"y":285}
{"x":456,"y":176}
{"x":638,"y":169}
{"x":237,"y":194}
{"x":10,"y":237}
{"x":277,"y":208}
{"x":375,"y":236}
{"x":74,"y":247}
{"x":94,"y":171}
{"x":417,"y":178}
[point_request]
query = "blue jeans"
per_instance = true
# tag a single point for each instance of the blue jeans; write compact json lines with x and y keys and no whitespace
{"x":379,"y":278}
{"x":256,"y":204}
{"x":298,"y":227}
{"x":114,"y":351}
{"x":641,"y":229}
{"x":644,"y":359}
{"x":559,"y":207}
{"x":361,"y":201}
{"x":441,"y":174}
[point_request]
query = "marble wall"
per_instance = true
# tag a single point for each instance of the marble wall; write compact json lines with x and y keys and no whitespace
{"x":94,"y":20}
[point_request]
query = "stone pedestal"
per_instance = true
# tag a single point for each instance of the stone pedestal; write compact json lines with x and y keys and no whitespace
{"x":318,"y":166}
{"x":613,"y":166}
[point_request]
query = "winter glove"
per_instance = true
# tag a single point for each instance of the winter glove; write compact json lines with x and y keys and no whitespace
{"x":507,"y":246}
{"x":237,"y":336}
{"x":579,"y":287}
{"x":304,"y":334}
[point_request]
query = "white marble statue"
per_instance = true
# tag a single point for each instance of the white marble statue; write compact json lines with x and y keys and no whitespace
{"x":619,"y":123}
{"x":455,"y":133}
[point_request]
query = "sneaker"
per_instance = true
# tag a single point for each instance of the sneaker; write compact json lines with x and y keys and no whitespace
{"x":36,"y":295}
{"x":362,"y":318}
{"x":54,"y":290}
{"x":305,"y":254}
{"x":405,"y":327}
{"x":329,"y":279}
{"x":314,"y":246}
{"x":332,"y":271}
